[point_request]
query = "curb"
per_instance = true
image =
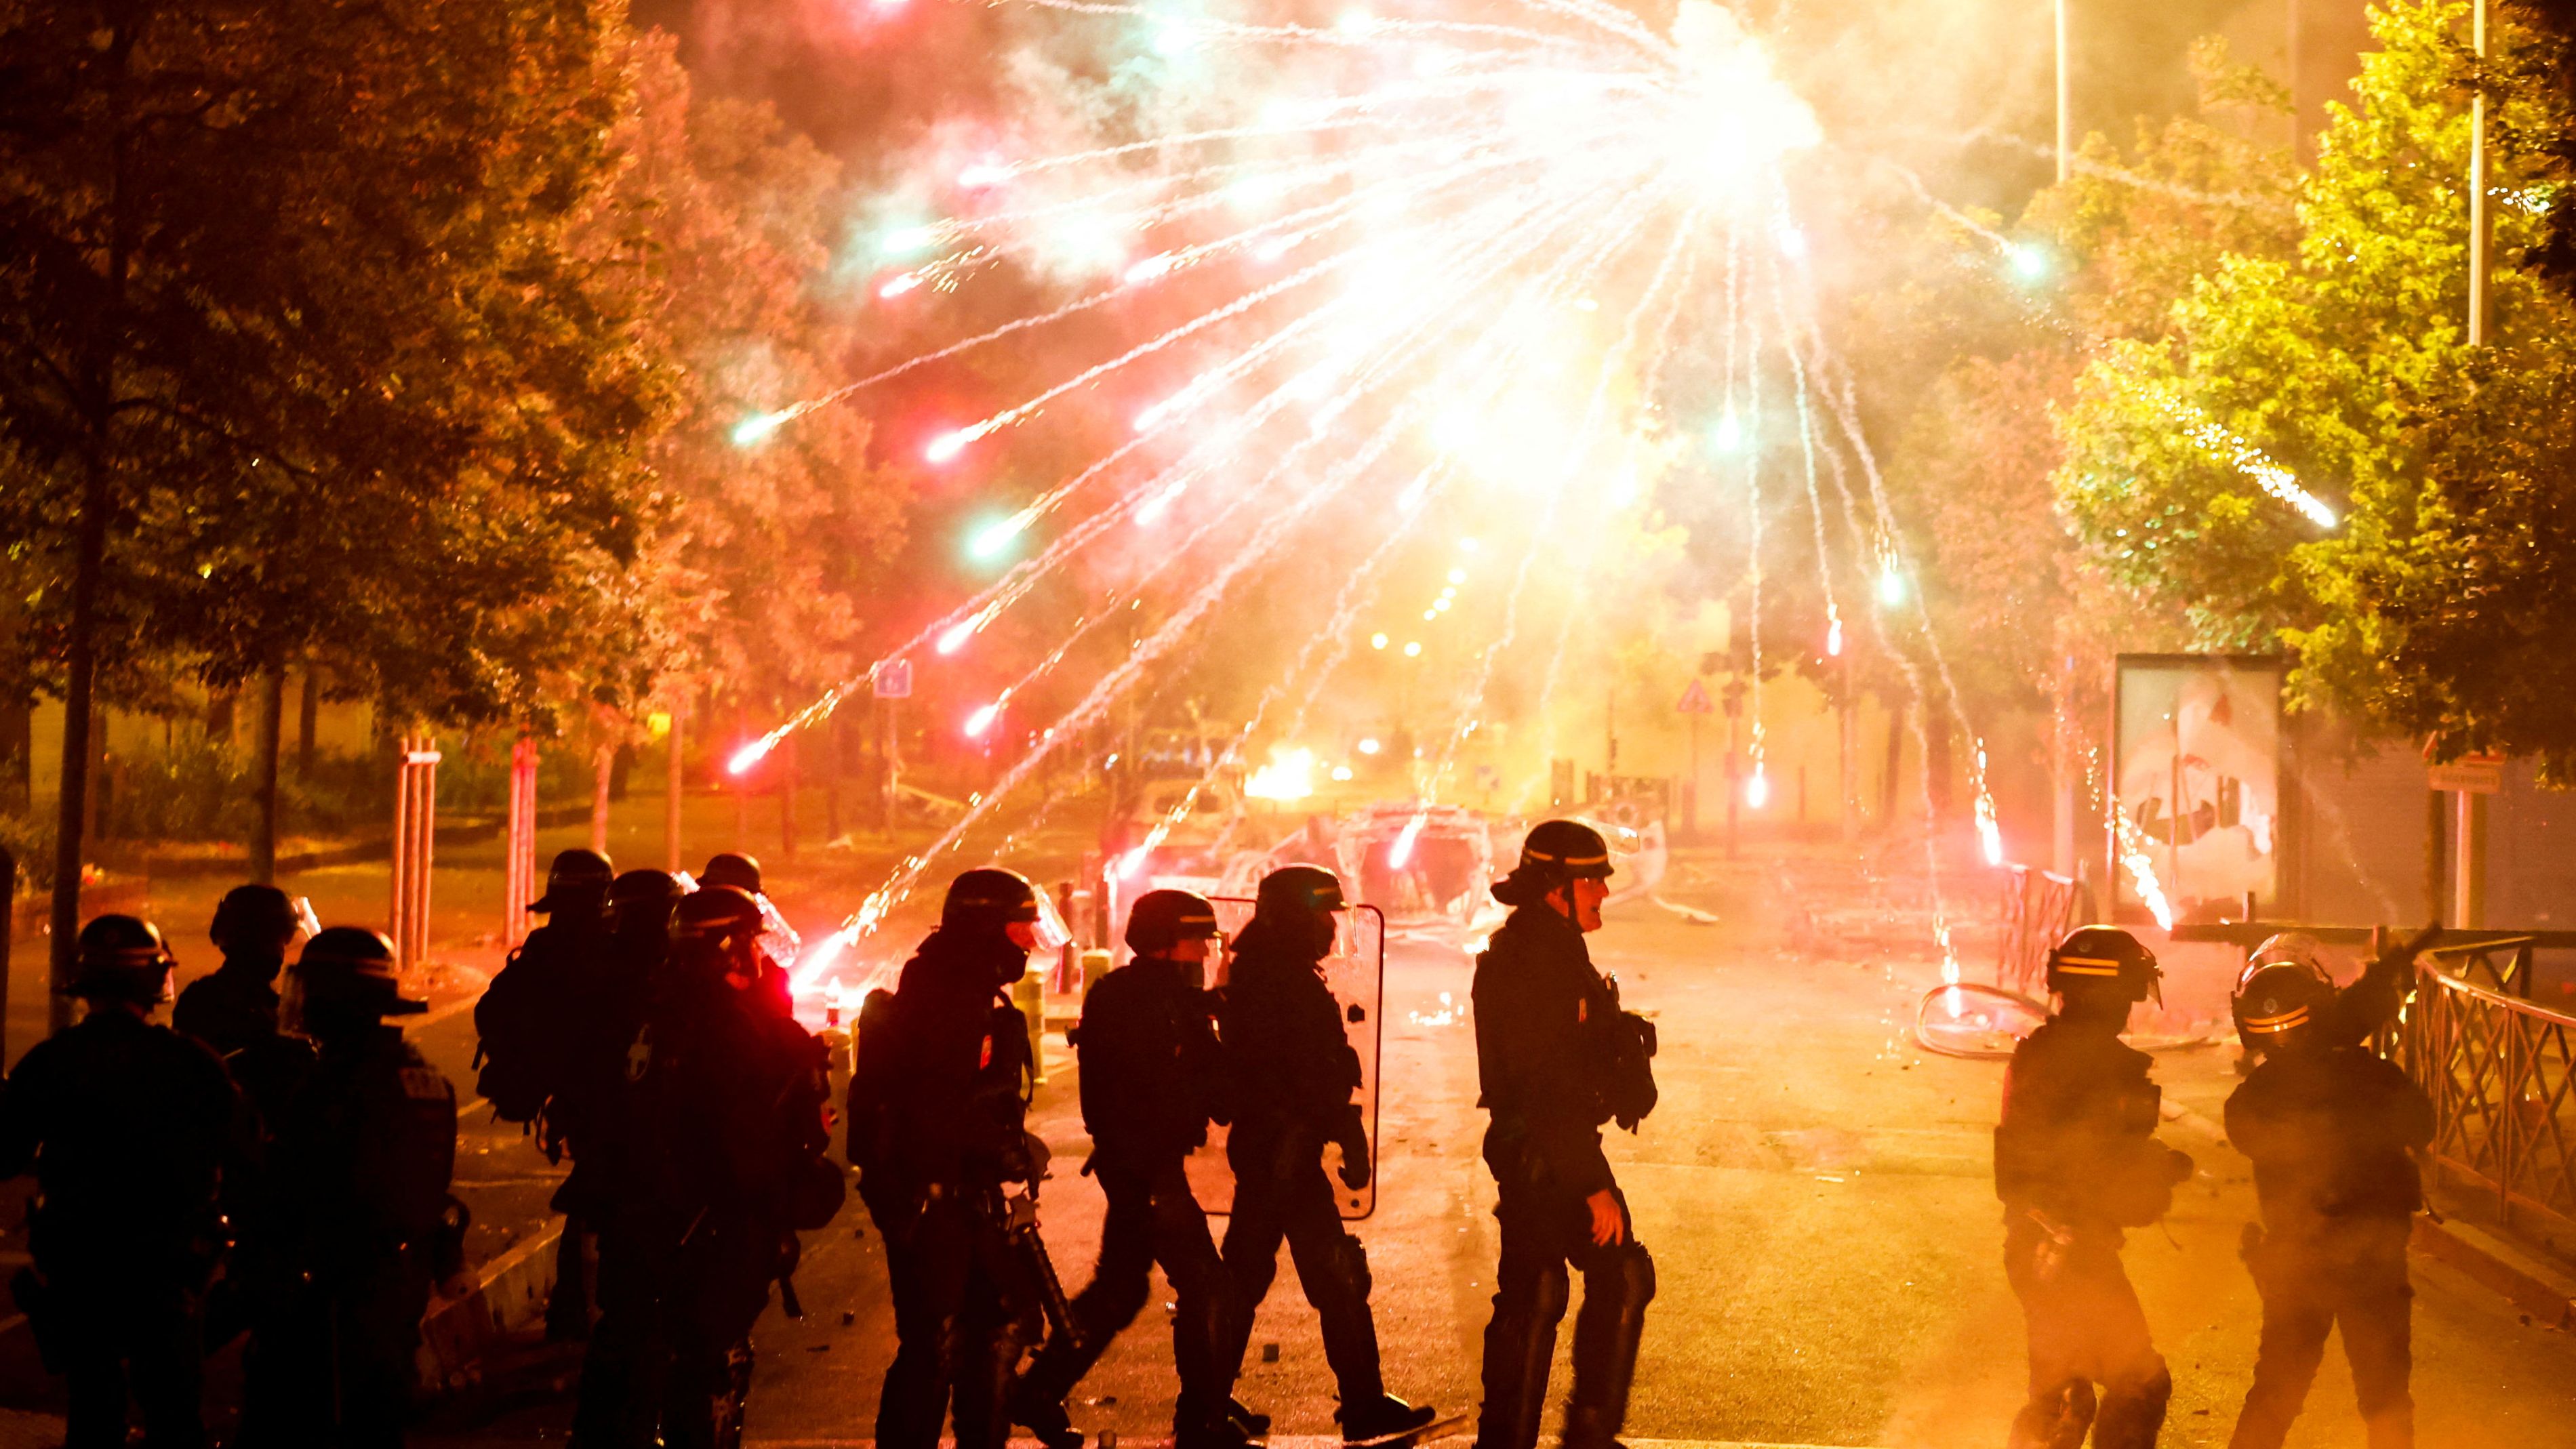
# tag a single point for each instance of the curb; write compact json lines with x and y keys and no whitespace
{"x":2543,"y":1292}
{"x":459,"y":1334}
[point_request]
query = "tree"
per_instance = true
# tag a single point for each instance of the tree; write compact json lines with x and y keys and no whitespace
{"x":267,"y":263}
{"x":2340,"y":368}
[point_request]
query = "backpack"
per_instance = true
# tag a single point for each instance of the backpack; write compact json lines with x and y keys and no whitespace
{"x":520,"y":1021}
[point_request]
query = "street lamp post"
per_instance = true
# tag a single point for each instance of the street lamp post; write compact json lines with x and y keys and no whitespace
{"x":2468,"y":899}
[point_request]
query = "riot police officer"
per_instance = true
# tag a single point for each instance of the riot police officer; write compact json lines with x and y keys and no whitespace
{"x":947,"y":1059}
{"x":598,"y":1028}
{"x":1556,"y":1058}
{"x":1292,"y":1075}
{"x":1150,"y":1084}
{"x":2076,"y":1162}
{"x":523,"y":1014}
{"x":359,"y":1199}
{"x":127,"y":1127}
{"x":235,"y":1005}
{"x":742,"y":872}
{"x":714,"y":1152}
{"x":2328,"y":1126}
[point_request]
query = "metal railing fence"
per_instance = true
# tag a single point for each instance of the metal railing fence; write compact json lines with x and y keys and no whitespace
{"x":2502,"y":1075}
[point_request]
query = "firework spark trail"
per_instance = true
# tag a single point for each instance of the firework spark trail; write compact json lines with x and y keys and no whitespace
{"x":978,"y":612}
{"x":1605,"y":18}
{"x":1656,"y":357}
{"x":1412,"y":497}
{"x":1116,"y":683}
{"x":1539,"y":544}
{"x":1807,"y":452}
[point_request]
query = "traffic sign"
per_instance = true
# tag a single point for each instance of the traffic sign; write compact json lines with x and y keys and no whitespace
{"x":2469,"y":774}
{"x":1695,"y":700}
{"x":894,"y":679}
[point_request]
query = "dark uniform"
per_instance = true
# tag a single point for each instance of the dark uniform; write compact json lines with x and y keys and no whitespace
{"x":773,"y":990}
{"x":712,"y":1160}
{"x":1150,"y":1075}
{"x":2328,"y":1127}
{"x":1556,"y":1059}
{"x":1292,"y":1073}
{"x":2076,"y":1162}
{"x":598,"y":1026}
{"x":950,"y":1057}
{"x":358,"y":1204}
{"x":128,"y":1127}
{"x":235,"y":1005}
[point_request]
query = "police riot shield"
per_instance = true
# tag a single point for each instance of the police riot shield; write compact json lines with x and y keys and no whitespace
{"x":1356,"y":975}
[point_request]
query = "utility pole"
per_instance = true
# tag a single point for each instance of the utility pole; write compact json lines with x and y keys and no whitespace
{"x":2065,"y":122}
{"x":2468,"y":901}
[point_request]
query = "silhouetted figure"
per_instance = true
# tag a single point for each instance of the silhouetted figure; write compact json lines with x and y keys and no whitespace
{"x":1152,"y":1079}
{"x":2328,"y":1127}
{"x":357,"y":1209}
{"x":710,"y":1161}
{"x":1292,"y":1076}
{"x":2076,"y":1161}
{"x":1556,"y":1058}
{"x":235,"y":1005}
{"x":128,"y":1127}
{"x":937,"y":1117}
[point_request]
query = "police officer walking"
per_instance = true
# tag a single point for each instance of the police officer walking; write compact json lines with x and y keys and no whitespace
{"x":598,"y":1027}
{"x":127,"y":1127}
{"x":1556,"y":1058}
{"x":731,"y":868}
{"x":235,"y":1005}
{"x":714,"y":1153}
{"x":1292,"y":1075}
{"x":358,"y":1190}
{"x":2328,"y":1126}
{"x":938,"y":1125}
{"x":1151,"y":1080}
{"x":521,"y":1018}
{"x":2076,"y":1162}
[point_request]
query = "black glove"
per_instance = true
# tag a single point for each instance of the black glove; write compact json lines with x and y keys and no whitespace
{"x":1353,"y":1140}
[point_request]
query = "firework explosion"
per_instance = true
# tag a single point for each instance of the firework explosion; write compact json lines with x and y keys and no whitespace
{"x":1429,"y":275}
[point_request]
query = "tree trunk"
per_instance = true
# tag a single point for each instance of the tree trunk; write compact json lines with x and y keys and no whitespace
{"x":308,"y":715}
{"x":674,"y":786}
{"x":603,"y":765}
{"x":89,"y":564}
{"x":267,"y":725}
{"x":1937,"y":765}
{"x":17,"y":750}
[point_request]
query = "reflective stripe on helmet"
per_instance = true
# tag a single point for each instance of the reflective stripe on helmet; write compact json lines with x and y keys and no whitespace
{"x":2295,"y":1016}
{"x":1541,"y":855}
{"x":2085,"y":966}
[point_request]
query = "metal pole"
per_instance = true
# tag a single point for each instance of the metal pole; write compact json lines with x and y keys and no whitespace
{"x":397,"y":916}
{"x":428,"y":816}
{"x":2478,"y":218}
{"x":2469,"y":890}
{"x":671,"y":794}
{"x":2065,"y":121}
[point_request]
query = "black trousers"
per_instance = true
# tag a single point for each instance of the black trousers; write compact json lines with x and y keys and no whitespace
{"x":964,"y":1313}
{"x":670,"y":1358}
{"x":121,"y":1334}
{"x":2351,"y":1277}
{"x":1152,"y":1218}
{"x":2086,"y":1329}
{"x":1281,"y":1194}
{"x":333,"y":1361}
{"x":1546,"y":1231}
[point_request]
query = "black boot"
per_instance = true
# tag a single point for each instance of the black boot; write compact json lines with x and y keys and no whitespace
{"x":1198,"y":1427}
{"x":1520,"y":1342}
{"x":1606,"y":1335}
{"x":1387,"y":1418}
{"x":1253,"y":1425}
{"x":1042,"y":1414}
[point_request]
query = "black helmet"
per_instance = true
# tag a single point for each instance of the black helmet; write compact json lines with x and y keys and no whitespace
{"x":123,"y":958}
{"x":641,"y":896}
{"x":1299,"y":888}
{"x":988,"y":896}
{"x":717,"y":916}
{"x":2104,"y":958}
{"x":253,"y":916}
{"x":1553,"y":853}
{"x":1568,"y":848}
{"x":578,"y":880}
{"x":352,"y":967}
{"x":1160,"y":918}
{"x":2282,"y":994}
{"x":729,"y":869}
